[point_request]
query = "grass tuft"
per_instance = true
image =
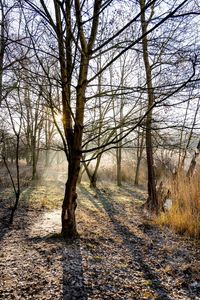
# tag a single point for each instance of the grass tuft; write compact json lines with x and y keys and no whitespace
{"x":184,"y":216}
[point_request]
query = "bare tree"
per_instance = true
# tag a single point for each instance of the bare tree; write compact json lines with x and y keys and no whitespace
{"x":16,"y":129}
{"x":152,"y":202}
{"x":79,"y":42}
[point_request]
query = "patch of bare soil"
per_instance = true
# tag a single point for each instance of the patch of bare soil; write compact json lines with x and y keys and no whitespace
{"x":119,"y":254}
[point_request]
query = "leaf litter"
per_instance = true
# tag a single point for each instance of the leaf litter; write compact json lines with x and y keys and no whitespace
{"x":120,"y":254}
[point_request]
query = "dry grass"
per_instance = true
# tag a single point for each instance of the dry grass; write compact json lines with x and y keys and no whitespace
{"x":184,"y":217}
{"x":42,"y":196}
{"x":109,"y":172}
{"x":25,"y":175}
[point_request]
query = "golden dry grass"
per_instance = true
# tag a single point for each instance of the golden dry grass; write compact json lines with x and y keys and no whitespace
{"x":48,"y":196}
{"x":109,"y":172}
{"x":184,"y":217}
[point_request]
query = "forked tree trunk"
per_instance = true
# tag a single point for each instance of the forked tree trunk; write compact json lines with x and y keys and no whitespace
{"x":93,"y":178}
{"x":139,"y":158}
{"x":73,"y":124}
{"x":91,"y":175}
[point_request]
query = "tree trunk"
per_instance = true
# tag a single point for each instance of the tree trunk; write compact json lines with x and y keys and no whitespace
{"x":74,"y":139}
{"x":181,"y":164}
{"x":119,"y":165}
{"x":2,"y":48}
{"x":17,"y":195}
{"x":93,"y":179}
{"x":69,"y":203}
{"x":34,"y":159}
{"x":137,"y":171}
{"x":192,"y":166}
{"x":139,"y":157}
{"x":152,"y":202}
{"x":73,"y":125}
{"x":16,"y":186}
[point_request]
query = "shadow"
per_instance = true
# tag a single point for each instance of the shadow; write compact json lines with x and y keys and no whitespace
{"x":73,"y":280}
{"x":134,"y":244}
{"x":90,"y":196}
{"x":68,"y":255}
{"x":97,"y":201}
{"x":44,"y":266}
{"x":5,"y":212}
{"x":22,"y":218}
{"x":138,"y":194}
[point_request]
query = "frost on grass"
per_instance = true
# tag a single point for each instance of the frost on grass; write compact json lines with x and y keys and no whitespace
{"x":119,"y":255}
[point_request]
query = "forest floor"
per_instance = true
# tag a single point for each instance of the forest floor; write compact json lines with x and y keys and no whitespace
{"x":120,"y":253}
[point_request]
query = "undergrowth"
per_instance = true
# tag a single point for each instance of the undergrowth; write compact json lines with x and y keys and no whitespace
{"x":184,"y":216}
{"x":109,"y":172}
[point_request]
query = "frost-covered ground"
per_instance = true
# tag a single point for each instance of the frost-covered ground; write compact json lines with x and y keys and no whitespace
{"x":119,"y":255}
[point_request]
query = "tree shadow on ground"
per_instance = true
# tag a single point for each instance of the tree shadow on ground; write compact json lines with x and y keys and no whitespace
{"x":137,"y":194}
{"x":90,"y":197}
{"x":5,"y":212}
{"x":38,"y":256}
{"x":73,"y":280}
{"x":21,"y":216}
{"x":68,"y":254}
{"x":134,"y":244}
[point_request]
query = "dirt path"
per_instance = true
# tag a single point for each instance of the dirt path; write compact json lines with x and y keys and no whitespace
{"x":118,"y":256}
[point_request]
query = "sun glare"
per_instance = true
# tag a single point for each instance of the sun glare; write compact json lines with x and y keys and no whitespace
{"x":59,"y":117}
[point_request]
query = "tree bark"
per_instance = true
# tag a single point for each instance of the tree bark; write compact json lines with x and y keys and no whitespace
{"x":73,"y":115}
{"x":152,"y":202}
{"x":119,"y":145}
{"x":119,"y":165}
{"x":139,"y":158}
{"x":137,"y":171}
{"x":2,"y":48}
{"x":192,"y":166}
{"x":93,"y":179}
{"x":69,"y":203}
{"x":74,"y":156}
